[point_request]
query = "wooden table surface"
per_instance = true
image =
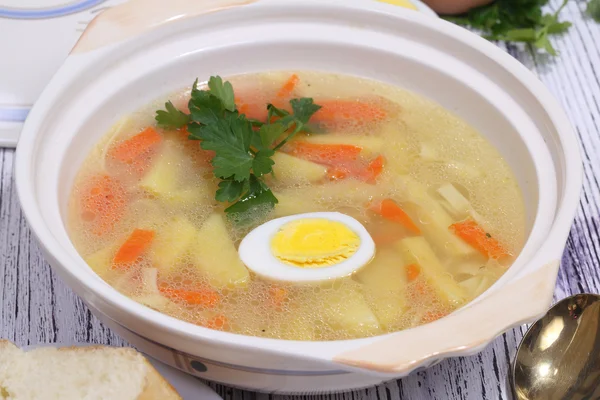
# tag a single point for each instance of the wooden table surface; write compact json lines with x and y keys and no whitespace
{"x":37,"y":307}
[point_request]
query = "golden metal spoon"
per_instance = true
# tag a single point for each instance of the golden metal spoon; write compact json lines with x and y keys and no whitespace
{"x":559,"y":357}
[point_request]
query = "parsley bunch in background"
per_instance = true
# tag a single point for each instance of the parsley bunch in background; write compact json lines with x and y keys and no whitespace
{"x":243,"y":148}
{"x":593,"y":9}
{"x":517,"y":21}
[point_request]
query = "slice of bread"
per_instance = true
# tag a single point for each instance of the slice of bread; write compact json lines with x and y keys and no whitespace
{"x":90,"y":373}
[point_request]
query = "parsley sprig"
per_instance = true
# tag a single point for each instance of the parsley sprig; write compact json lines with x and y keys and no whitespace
{"x":516,"y":21}
{"x":243,"y":148}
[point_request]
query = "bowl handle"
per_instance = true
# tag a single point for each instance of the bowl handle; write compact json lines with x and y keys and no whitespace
{"x":137,"y":16}
{"x":469,"y":328}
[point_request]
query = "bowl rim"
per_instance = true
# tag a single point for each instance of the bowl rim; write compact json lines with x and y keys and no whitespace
{"x":27,"y":148}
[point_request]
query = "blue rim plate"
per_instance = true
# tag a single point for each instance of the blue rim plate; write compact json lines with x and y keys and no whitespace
{"x":47,"y":12}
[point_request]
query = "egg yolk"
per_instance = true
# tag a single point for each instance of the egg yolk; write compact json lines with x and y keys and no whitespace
{"x":314,"y":243}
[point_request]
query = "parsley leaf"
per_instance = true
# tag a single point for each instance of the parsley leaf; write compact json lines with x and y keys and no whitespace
{"x":258,"y":195}
{"x":229,"y":138}
{"x":304,"y":109}
{"x":229,"y":190}
{"x":223,"y":91}
{"x":205,"y":108}
{"x":262,"y":163}
{"x":269,"y":133}
{"x":172,"y":118}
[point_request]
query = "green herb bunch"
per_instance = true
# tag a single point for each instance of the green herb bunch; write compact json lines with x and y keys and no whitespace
{"x":243,"y":148}
{"x":593,"y":9}
{"x":516,"y":21}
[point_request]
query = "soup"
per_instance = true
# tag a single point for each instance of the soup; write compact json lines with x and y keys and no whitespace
{"x":160,"y":206}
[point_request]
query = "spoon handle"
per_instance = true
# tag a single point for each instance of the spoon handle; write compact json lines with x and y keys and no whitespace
{"x":471,"y":327}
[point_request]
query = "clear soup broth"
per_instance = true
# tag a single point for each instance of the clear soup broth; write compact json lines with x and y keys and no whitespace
{"x":441,"y":204}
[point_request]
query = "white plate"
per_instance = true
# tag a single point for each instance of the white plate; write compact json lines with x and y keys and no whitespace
{"x":188,"y":387}
{"x":46,"y":32}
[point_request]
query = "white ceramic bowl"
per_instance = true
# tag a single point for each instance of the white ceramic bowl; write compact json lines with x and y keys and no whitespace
{"x":131,"y":55}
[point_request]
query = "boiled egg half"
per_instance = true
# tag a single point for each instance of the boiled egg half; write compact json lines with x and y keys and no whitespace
{"x":307,"y":247}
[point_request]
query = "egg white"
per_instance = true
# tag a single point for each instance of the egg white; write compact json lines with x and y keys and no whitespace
{"x":255,"y":251}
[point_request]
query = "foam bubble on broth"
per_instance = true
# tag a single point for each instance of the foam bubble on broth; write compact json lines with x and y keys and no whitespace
{"x":421,"y":141}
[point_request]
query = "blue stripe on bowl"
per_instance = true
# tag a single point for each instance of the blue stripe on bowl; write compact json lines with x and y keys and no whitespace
{"x":49,"y":12}
{"x":13,"y":114}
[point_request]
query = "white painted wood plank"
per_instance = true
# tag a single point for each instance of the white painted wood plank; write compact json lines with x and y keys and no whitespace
{"x":36,"y":307}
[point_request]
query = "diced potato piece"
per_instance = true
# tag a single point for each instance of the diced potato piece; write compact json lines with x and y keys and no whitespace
{"x":216,"y":256}
{"x":327,"y":197}
{"x":399,"y":151}
{"x":347,"y":310}
{"x":428,"y":152}
{"x":416,"y":250}
{"x":101,"y":260}
{"x":384,"y":280}
{"x":297,"y":329}
{"x":348,"y":192}
{"x":161,"y":180}
{"x":369,"y":144}
{"x":289,"y":326}
{"x":292,"y":170}
{"x":435,"y":221}
{"x":288,"y":204}
{"x":171,"y":244}
{"x":200,"y":194}
{"x":146,"y":214}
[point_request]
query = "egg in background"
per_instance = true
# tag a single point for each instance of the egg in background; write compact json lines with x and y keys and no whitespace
{"x":401,"y":3}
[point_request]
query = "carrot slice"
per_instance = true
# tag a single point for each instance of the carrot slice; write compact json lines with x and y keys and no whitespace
{"x":391,"y":211}
{"x":386,"y":233}
{"x":134,"y":148}
{"x":374,"y":169}
{"x":288,"y":87}
{"x":133,"y":248}
{"x":478,"y":238}
{"x":431,"y":316}
{"x":357,"y":169}
{"x":420,"y":289}
{"x":102,"y":203}
{"x":277,"y":296}
{"x":412,"y":272}
{"x":253,"y":105}
{"x":343,"y":160}
{"x":335,"y":110}
{"x":200,"y":297}
{"x":327,"y":154}
{"x":218,"y":322}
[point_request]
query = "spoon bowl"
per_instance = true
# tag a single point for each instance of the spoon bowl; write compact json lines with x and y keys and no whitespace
{"x":559,"y":357}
